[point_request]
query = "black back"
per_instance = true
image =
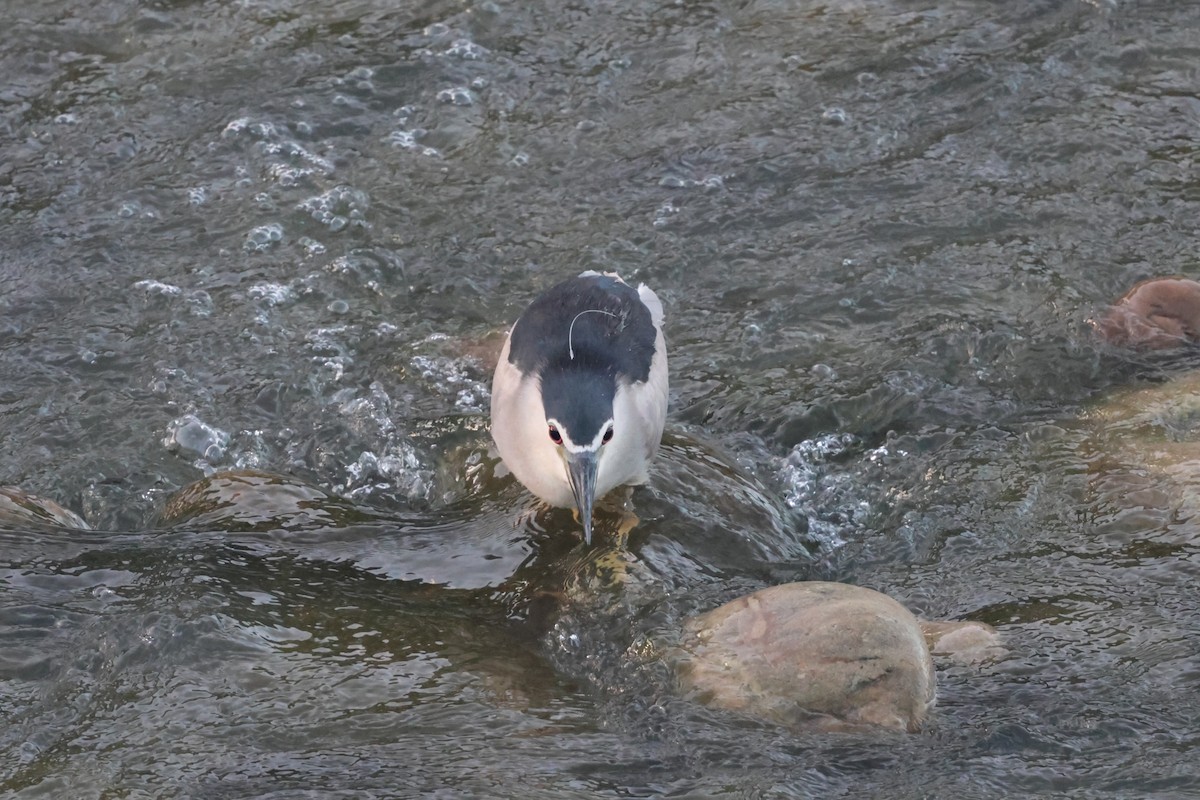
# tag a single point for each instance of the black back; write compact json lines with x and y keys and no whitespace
{"x":617,"y":344}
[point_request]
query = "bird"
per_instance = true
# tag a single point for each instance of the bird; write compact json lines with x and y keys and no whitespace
{"x":579,"y":395}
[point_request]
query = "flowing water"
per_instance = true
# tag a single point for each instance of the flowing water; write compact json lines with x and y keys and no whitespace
{"x":284,"y":235}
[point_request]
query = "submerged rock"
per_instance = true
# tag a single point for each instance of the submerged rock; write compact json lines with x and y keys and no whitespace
{"x":1156,"y":314}
{"x":963,"y":642}
{"x":824,"y":655}
{"x":18,"y":507}
{"x":248,"y":500}
{"x":1141,"y":448}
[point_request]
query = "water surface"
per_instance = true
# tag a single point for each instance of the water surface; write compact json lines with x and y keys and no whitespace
{"x":284,"y":236}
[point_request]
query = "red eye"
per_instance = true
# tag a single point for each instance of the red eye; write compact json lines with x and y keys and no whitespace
{"x":608,"y":436}
{"x":555,"y":436}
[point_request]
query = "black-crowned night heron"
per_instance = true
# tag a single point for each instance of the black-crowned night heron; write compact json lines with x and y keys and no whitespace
{"x":579,"y":397}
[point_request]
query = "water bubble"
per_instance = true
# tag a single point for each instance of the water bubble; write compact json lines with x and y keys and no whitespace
{"x":663,"y":215}
{"x":253,"y":452}
{"x":456,"y":95}
{"x":568,"y":640}
{"x":168,"y":376}
{"x":338,"y":208}
{"x":200,"y":303}
{"x":361,"y":78}
{"x":287,"y":174}
{"x":520,"y":159}
{"x":467,"y":400}
{"x":263,"y":237}
{"x":271,"y":294}
{"x":158,"y":288}
{"x":190,"y":434}
{"x":834,"y":116}
{"x":29,"y":751}
{"x":466,"y":50}
{"x":370,"y":415}
{"x":823,"y":372}
{"x":586,"y":125}
{"x":436,"y":30}
{"x":349,"y":102}
{"x":404,"y":139}
{"x":262,"y":130}
{"x":450,"y":378}
{"x":830,"y":501}
{"x":397,"y":468}
{"x":332,"y":370}
{"x":197,"y":196}
{"x":339,"y":306}
{"x":708,"y":182}
{"x":236,"y":127}
{"x":326,"y":341}
{"x":311,"y":246}
{"x":408,"y":140}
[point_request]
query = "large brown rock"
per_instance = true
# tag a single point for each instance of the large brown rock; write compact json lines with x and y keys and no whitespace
{"x":815,"y":654}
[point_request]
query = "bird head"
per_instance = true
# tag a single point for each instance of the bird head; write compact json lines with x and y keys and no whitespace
{"x":578,"y":403}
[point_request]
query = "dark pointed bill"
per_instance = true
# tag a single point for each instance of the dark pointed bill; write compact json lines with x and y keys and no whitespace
{"x":581,"y":471}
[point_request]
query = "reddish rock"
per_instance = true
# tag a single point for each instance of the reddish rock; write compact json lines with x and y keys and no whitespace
{"x":1156,"y":314}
